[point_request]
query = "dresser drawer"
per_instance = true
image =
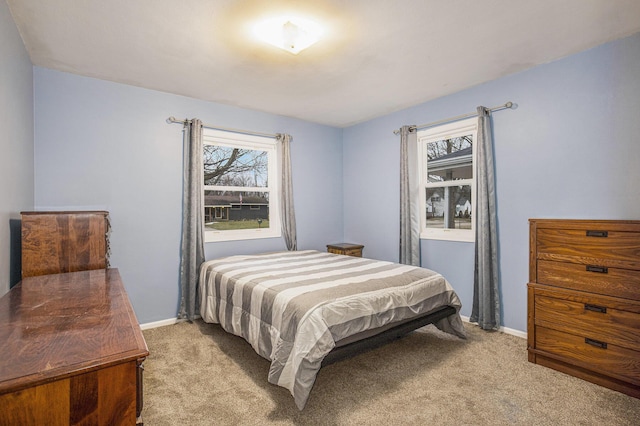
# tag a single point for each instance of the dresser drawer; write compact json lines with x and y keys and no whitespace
{"x":353,"y":252}
{"x":615,"y":361}
{"x":598,"y":279}
{"x":584,"y":299}
{"x":609,"y":247}
{"x":589,"y":317}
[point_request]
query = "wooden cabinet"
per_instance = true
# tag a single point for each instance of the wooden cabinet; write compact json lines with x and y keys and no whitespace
{"x":72,"y":351}
{"x":584,"y":300}
{"x":58,"y":242}
{"x":346,"y":249}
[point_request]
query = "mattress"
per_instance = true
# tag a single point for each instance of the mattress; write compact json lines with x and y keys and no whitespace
{"x":293,"y":306}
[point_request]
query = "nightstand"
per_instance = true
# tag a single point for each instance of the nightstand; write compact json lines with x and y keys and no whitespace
{"x":346,"y":249}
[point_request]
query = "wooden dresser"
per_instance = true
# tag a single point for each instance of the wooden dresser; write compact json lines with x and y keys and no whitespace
{"x":584,"y":300}
{"x":72,"y":351}
{"x":346,"y":249}
{"x":58,"y":242}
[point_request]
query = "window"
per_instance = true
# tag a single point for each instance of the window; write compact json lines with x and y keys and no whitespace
{"x":446,"y":164}
{"x":240,"y":186}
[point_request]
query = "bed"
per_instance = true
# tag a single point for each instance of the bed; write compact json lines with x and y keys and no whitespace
{"x":304,"y":309}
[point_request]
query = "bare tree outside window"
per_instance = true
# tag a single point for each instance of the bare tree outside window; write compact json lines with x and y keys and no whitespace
{"x":234,"y":166}
{"x":236,"y":188}
{"x":449,"y":205}
{"x":446,"y":162}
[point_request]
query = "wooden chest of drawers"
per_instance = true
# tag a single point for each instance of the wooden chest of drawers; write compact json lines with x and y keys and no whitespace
{"x":584,"y":300}
{"x":59,"y":242}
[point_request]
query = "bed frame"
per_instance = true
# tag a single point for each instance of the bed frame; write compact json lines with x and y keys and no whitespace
{"x":386,"y":335}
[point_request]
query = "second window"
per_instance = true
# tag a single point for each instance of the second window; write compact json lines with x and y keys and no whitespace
{"x":446,"y":163}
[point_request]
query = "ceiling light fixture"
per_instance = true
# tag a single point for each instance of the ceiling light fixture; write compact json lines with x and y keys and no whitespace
{"x":292,"y":34}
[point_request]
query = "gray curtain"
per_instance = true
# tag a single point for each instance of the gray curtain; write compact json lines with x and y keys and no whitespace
{"x":287,"y":213}
{"x":486,"y":300}
{"x":409,"y":198}
{"x":192,"y":246}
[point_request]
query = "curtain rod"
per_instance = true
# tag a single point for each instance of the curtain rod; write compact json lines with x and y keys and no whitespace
{"x":508,"y":105}
{"x":243,"y":132}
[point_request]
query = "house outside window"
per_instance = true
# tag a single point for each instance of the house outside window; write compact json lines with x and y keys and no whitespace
{"x":240,"y":190}
{"x":446,"y":164}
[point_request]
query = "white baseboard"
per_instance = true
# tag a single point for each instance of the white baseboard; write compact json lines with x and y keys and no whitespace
{"x":171,"y":321}
{"x":162,"y":323}
{"x":507,"y":330}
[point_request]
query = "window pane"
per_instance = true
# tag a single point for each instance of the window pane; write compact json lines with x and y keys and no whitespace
{"x":450,"y":159}
{"x":449,"y":207}
{"x":233,"y":210}
{"x":224,"y":166}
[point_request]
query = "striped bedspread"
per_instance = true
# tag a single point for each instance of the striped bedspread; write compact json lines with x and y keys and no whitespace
{"x":293,"y":306}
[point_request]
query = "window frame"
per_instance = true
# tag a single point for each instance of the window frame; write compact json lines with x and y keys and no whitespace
{"x":432,"y":134}
{"x":259,"y":143}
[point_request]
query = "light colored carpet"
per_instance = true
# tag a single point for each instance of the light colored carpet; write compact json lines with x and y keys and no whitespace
{"x":197,"y":374}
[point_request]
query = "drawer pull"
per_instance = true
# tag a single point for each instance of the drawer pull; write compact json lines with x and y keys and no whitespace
{"x":598,"y":269}
{"x":595,"y":343}
{"x":601,"y":234}
{"x":595,"y":308}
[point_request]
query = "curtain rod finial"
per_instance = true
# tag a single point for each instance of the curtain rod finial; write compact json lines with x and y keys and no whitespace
{"x":511,"y":105}
{"x":171,"y":119}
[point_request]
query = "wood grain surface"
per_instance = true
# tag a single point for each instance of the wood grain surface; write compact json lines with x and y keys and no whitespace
{"x":584,"y":300}
{"x":59,"y":242}
{"x":71,"y":344}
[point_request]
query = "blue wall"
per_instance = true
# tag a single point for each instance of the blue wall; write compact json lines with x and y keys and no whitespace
{"x":101,"y":145}
{"x":16,"y":135}
{"x":570,"y":150}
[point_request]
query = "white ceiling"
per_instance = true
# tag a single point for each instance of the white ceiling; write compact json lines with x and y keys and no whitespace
{"x":378,"y":56}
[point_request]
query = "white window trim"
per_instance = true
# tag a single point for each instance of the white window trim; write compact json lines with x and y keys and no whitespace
{"x":446,"y":131}
{"x":240,"y":140}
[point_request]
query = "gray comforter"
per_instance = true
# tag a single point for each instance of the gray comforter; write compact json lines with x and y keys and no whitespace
{"x":293,"y":306}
